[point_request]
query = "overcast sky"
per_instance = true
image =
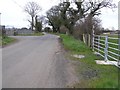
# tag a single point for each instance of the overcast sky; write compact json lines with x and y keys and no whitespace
{"x":12,"y":13}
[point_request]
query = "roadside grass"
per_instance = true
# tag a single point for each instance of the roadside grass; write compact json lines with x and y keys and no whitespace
{"x":93,"y":75}
{"x":35,"y":34}
{"x":55,"y":33}
{"x":7,"y":40}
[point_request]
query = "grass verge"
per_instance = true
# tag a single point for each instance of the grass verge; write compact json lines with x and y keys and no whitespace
{"x":7,"y":40}
{"x":92,"y":75}
{"x":35,"y":34}
{"x":54,"y":33}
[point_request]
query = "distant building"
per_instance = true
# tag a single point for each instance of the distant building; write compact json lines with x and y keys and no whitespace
{"x":117,"y":31}
{"x":111,"y":32}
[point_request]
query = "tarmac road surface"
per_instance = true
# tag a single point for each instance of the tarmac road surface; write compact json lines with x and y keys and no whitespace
{"x":36,"y":62}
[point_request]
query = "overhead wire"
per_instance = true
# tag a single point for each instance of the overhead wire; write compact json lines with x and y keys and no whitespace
{"x":17,"y":4}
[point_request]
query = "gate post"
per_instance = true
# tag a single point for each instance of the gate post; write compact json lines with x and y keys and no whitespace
{"x":106,"y":49}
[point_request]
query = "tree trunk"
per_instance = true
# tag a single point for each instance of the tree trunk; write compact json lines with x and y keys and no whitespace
{"x":32,"y":24}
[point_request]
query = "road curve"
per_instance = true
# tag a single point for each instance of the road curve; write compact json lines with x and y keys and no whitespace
{"x":36,"y":62}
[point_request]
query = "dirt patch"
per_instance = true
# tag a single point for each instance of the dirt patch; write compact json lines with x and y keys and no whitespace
{"x":72,"y":77}
{"x":90,"y":73}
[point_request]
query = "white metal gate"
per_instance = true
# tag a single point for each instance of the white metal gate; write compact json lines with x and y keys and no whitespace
{"x":107,"y":47}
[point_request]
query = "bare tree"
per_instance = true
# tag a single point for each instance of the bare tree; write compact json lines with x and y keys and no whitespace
{"x":32,"y":8}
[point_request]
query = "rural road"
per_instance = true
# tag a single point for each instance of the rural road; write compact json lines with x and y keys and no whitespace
{"x":36,"y":62}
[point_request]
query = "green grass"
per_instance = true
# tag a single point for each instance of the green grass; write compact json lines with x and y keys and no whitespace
{"x":74,"y":45}
{"x":7,"y":40}
{"x":54,"y":33}
{"x":35,"y":34}
{"x":111,"y":35}
{"x":93,"y":75}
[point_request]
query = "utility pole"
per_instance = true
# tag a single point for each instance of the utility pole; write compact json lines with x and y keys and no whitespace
{"x":0,"y":20}
{"x":0,"y":23}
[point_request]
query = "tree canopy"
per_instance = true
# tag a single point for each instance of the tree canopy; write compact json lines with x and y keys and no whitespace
{"x":66,"y":14}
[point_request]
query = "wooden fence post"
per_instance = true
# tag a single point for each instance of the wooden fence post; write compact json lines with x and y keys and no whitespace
{"x":93,"y":40}
{"x":84,"y":38}
{"x":98,"y":44}
{"x":89,"y":40}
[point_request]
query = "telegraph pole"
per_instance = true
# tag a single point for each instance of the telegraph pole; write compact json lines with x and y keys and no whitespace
{"x":0,"y":23}
{"x":0,"y":55}
{"x":0,"y":20}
